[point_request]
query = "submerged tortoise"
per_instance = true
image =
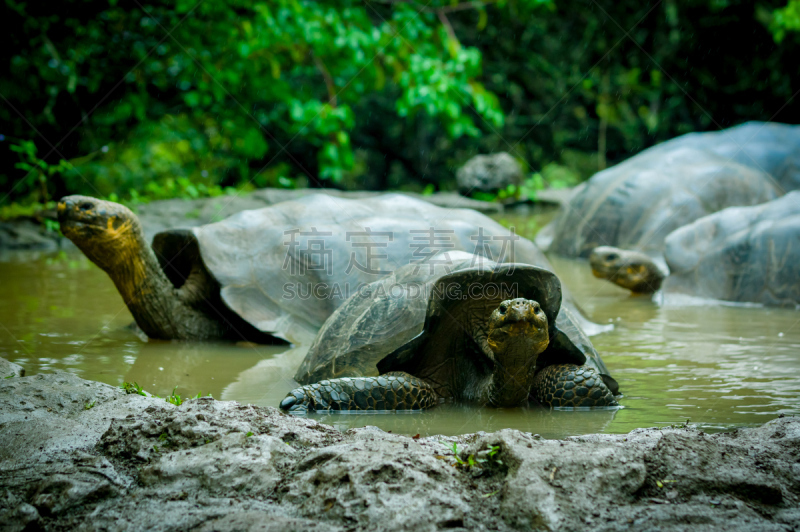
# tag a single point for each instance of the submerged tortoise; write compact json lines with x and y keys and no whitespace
{"x":473,"y":331}
{"x":279,"y":271}
{"x":636,"y":271}
{"x":638,"y":202}
{"x":742,"y":254}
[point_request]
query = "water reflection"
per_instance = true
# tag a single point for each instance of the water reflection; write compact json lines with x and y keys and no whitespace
{"x":717,"y":365}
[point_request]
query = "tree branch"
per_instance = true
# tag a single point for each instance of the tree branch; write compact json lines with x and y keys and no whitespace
{"x":329,"y":84}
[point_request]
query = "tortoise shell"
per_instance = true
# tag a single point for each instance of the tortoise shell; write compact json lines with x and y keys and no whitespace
{"x":741,"y":254}
{"x":426,"y":323}
{"x":637,"y":203}
{"x":285,"y":268}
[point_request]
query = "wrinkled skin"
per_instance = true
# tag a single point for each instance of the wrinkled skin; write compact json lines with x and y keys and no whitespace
{"x":517,"y":334}
{"x":628,"y":269}
{"x":110,"y":235}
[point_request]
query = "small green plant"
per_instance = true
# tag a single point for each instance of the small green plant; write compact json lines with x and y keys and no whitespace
{"x":488,"y":456}
{"x":174,"y":398}
{"x":483,"y":196}
{"x":248,"y":434}
{"x":10,"y":376}
{"x":492,"y":454}
{"x":89,"y":406}
{"x":512,"y":191}
{"x":133,"y":388}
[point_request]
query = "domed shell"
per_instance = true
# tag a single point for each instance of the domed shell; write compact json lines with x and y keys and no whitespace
{"x":287,"y":267}
{"x":413,"y":316}
{"x":745,"y":254}
{"x":637,"y":203}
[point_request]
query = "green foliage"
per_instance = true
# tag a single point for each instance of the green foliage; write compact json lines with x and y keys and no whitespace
{"x":193,"y":99}
{"x":133,"y":388}
{"x":213,"y":91}
{"x":785,"y":20}
{"x":38,"y":172}
{"x":89,"y":406}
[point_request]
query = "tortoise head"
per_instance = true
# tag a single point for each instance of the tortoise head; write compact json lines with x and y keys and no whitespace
{"x":517,"y":334}
{"x":629,"y":269}
{"x":107,"y":232}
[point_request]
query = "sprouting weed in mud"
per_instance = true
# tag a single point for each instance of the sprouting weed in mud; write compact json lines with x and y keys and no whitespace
{"x":89,"y":406}
{"x":174,"y":398}
{"x":248,"y":434}
{"x":10,"y":376}
{"x":492,"y":454}
{"x":488,"y":456}
{"x":133,"y":388}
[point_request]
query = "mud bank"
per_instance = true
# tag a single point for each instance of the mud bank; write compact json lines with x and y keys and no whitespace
{"x":76,"y":454}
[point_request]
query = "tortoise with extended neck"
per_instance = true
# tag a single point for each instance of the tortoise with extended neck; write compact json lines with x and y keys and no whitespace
{"x":633,"y":270}
{"x":485,"y":333}
{"x":742,"y":254}
{"x":279,"y":271}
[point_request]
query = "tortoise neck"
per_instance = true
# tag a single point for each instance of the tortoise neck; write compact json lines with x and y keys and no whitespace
{"x":513,"y":372}
{"x":157,"y":306}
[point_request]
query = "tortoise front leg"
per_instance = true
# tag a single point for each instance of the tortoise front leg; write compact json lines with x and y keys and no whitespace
{"x":571,"y":385}
{"x":392,"y":391}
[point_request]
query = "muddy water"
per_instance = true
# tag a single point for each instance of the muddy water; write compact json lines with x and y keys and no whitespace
{"x":717,"y":365}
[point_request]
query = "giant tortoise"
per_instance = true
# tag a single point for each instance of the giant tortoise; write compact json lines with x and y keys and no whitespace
{"x":637,"y":203}
{"x":473,"y":331}
{"x":279,"y":271}
{"x":742,"y":254}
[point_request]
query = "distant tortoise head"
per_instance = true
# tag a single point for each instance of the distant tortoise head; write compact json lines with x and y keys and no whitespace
{"x":517,"y":334}
{"x":629,"y":269}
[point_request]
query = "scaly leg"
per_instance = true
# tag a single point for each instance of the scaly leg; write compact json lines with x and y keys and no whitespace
{"x":392,"y":391}
{"x":571,"y":385}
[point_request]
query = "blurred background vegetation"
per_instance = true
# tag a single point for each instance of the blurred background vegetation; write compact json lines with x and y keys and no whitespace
{"x":138,"y":100}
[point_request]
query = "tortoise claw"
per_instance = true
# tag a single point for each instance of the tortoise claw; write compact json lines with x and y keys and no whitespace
{"x":288,"y":402}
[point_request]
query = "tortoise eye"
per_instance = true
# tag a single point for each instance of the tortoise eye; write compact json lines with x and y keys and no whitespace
{"x":612,"y":256}
{"x":503,"y":308}
{"x":85,"y":206}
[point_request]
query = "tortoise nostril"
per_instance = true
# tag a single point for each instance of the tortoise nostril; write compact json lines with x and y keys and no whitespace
{"x":86,"y":205}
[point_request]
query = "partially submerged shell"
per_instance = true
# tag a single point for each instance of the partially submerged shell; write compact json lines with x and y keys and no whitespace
{"x":286,"y":268}
{"x":414,"y":320}
{"x":745,"y":254}
{"x":637,"y":203}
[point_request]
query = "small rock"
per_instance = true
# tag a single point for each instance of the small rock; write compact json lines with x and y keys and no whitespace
{"x":488,"y":173}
